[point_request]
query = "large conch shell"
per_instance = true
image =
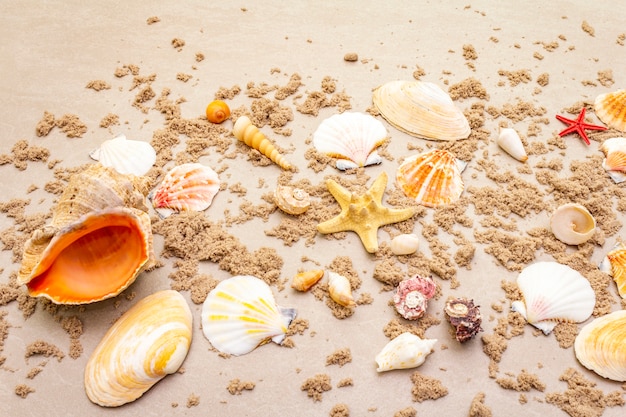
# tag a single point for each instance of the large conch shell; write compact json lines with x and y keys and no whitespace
{"x":148,"y":342}
{"x":601,"y":346}
{"x":249,"y":134}
{"x":240,"y":313}
{"x":553,"y":293}
{"x":611,"y":109}
{"x":421,"y":109}
{"x":99,"y":240}
{"x":572,"y":223}
{"x":614,"y":264}
{"x":405,"y":351}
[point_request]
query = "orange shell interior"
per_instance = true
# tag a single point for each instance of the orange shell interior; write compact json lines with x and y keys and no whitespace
{"x":93,"y":260}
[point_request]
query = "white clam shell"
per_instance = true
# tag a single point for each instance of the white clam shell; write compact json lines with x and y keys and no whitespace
{"x":404,"y":244}
{"x":352,"y":138}
{"x":240,"y":313}
{"x":405,"y":351}
{"x":509,"y":140}
{"x":125,"y":156}
{"x":553,"y":293}
{"x":340,"y":290}
{"x":572,"y":224}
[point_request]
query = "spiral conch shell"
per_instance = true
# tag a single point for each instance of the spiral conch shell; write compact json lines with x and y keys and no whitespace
{"x":340,"y":290}
{"x":99,"y":240}
{"x":292,"y":200}
{"x":572,"y":223}
{"x":405,"y":351}
{"x":248,"y":133}
{"x":148,"y":342}
{"x":601,"y":346}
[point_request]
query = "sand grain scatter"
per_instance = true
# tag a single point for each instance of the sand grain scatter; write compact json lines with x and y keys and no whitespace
{"x":339,"y":357}
{"x":40,"y":347}
{"x":340,"y":410}
{"x":316,"y":386}
{"x":236,"y":386}
{"x":22,"y":390}
{"x":426,"y":388}
{"x":478,"y":407}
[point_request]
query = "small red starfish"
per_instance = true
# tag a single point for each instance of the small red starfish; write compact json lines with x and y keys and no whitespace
{"x":578,"y":125}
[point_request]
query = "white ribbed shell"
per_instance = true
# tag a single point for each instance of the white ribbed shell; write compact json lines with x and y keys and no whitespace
{"x":125,"y":156}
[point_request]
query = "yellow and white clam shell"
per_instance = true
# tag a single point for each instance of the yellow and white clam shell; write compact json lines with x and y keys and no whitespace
{"x":421,"y":109}
{"x":614,"y":264}
{"x":148,"y":342}
{"x":553,"y":293}
{"x":509,"y":140}
{"x":615,"y":158}
{"x":572,"y":224}
{"x":352,"y":138}
{"x":405,"y":351}
{"x":340,"y":290}
{"x":125,"y":156}
{"x":292,"y":200}
{"x":601,"y":346}
{"x":240,"y":313}
{"x":611,"y":109}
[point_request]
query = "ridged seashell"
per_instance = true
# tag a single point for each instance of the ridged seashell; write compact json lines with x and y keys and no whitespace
{"x":240,"y":313}
{"x":572,"y":223}
{"x":99,"y":240}
{"x":303,"y":281}
{"x":340,"y":290}
{"x":148,"y":342}
{"x":553,"y":293}
{"x":615,"y":158}
{"x":352,"y":138}
{"x":614,"y":264}
{"x":404,"y":244}
{"x":601,"y":346}
{"x":421,"y":109}
{"x":405,"y":351}
{"x":509,"y":140}
{"x":431,"y":178}
{"x":125,"y":156}
{"x":412,"y":295}
{"x":249,"y":134}
{"x":464,"y":316}
{"x":292,"y":200}
{"x":611,"y":109}
{"x":217,"y":111}
{"x":186,"y":187}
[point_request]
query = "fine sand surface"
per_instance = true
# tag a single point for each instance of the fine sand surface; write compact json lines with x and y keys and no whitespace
{"x":77,"y":73}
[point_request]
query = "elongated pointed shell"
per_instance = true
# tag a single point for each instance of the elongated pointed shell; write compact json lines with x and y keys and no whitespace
{"x":611,"y":109}
{"x":601,"y":346}
{"x":509,"y":140}
{"x":148,"y":342}
{"x":615,"y":158}
{"x":421,"y":109}
{"x":432,"y":178}
{"x":97,"y":244}
{"x":614,"y":264}
{"x":340,"y":290}
{"x":249,"y":134}
{"x":553,"y":293}
{"x":405,"y":351}
{"x":292,"y":200}
{"x":186,"y":187}
{"x":125,"y":156}
{"x":303,"y":281}
{"x":240,"y":313}
{"x":572,"y":223}
{"x":352,"y":138}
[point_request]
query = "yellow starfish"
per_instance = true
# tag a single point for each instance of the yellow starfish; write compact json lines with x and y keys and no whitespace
{"x":363,"y":214}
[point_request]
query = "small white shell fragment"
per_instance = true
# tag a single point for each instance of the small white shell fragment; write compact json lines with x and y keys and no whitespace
{"x":510,"y":141}
{"x":404,"y":244}
{"x":125,"y":156}
{"x":340,"y":290}
{"x":553,"y":293}
{"x":572,"y":224}
{"x":404,"y":352}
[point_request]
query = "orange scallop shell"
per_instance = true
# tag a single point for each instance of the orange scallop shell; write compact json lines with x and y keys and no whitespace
{"x":432,"y":178}
{"x":617,"y":260}
{"x":611,"y":109}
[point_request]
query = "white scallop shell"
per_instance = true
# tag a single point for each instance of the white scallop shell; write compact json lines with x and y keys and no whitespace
{"x":352,"y":138}
{"x":125,"y":156}
{"x":553,"y":293}
{"x":186,"y":187}
{"x":340,"y":290}
{"x":509,"y":140}
{"x":572,"y":224}
{"x":405,"y":351}
{"x":404,"y":244}
{"x":240,"y":313}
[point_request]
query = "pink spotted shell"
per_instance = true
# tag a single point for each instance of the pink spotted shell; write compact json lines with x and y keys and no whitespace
{"x":412,"y":295}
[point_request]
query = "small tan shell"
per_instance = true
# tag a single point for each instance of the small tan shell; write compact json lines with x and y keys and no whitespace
{"x":292,"y":200}
{"x":405,"y":351}
{"x":572,"y":224}
{"x":404,"y":244}
{"x":340,"y":290}
{"x":509,"y":140}
{"x":303,"y":281}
